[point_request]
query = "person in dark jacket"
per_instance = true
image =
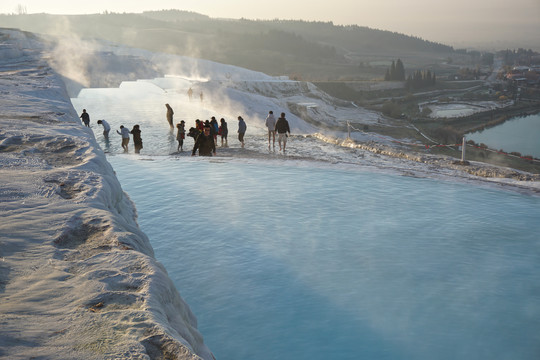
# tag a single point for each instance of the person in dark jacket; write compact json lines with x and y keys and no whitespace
{"x":282,"y":128}
{"x":223,"y":131}
{"x":85,"y":117}
{"x":194,"y":133}
{"x":214,"y":128}
{"x":137,"y":140}
{"x":205,"y":143}
{"x":242,"y":127}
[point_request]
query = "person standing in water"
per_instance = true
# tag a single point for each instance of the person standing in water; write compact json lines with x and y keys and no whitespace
{"x":137,"y":140}
{"x":271,"y":125}
{"x":199,"y":124}
{"x":124,"y":132}
{"x":181,"y":135}
{"x":190,"y":93}
{"x":214,"y":128}
{"x":282,"y":128}
{"x":106,"y":128}
{"x":242,"y":127}
{"x":205,"y":144}
{"x":170,"y":114}
{"x":85,"y":117}
{"x":223,"y":131}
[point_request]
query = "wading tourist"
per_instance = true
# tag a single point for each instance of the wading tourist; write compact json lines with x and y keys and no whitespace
{"x":181,"y":135}
{"x":282,"y":128}
{"x":214,"y":128}
{"x":170,"y":114}
{"x":124,"y":132}
{"x":223,"y":131}
{"x":271,"y":125}
{"x":242,"y":127}
{"x":106,"y":128}
{"x":205,"y":144}
{"x":137,"y":140}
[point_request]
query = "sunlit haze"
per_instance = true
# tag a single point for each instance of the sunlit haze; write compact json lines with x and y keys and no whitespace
{"x":458,"y":22}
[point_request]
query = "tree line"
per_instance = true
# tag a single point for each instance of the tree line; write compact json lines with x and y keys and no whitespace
{"x":419,"y":79}
{"x":396,"y":71}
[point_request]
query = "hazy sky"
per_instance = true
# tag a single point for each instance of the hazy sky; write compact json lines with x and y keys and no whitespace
{"x":448,"y":21}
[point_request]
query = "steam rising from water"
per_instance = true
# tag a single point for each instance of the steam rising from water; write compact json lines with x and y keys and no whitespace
{"x":71,"y":56}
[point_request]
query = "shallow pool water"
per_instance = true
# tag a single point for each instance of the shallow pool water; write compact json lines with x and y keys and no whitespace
{"x":306,"y":260}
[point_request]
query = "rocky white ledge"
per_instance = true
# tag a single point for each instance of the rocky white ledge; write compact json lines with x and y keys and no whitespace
{"x":78,"y":278}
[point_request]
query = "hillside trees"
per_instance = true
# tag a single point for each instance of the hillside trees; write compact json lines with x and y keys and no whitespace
{"x":420,"y":79}
{"x":396,"y":72}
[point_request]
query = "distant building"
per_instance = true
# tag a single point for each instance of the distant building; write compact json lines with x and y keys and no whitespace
{"x":524,"y":76}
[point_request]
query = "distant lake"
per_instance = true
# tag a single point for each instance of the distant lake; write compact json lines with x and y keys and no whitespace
{"x":520,"y":134}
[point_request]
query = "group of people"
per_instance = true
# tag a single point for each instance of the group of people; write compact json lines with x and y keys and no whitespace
{"x":137,"y":140}
{"x":281,"y":126}
{"x":204,"y":133}
{"x":124,"y":132}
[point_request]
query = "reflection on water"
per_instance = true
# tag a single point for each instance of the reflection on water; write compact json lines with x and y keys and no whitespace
{"x":519,"y":134}
{"x":315,"y":262}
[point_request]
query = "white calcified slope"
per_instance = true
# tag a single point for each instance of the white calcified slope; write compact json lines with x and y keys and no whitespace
{"x":78,"y":279}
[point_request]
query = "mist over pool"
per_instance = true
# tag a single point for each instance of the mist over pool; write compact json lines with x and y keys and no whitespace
{"x":305,"y":260}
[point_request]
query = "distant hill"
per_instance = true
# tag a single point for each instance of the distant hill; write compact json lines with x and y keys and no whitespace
{"x":306,"y":50}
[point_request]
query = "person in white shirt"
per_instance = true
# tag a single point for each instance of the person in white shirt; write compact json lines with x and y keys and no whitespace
{"x":106,"y":128}
{"x":271,"y":125}
{"x":125,"y":137}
